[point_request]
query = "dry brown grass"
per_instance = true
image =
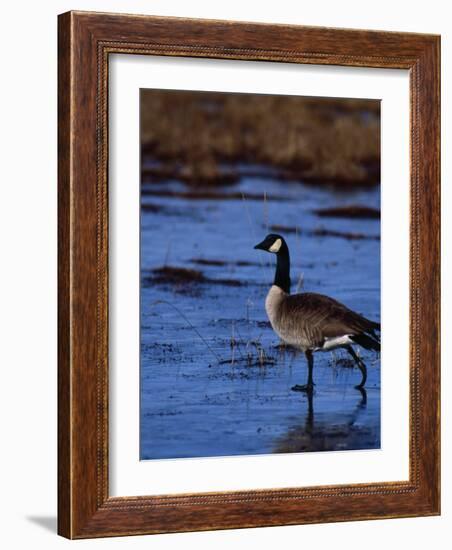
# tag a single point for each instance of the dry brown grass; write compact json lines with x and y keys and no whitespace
{"x":200,"y":137}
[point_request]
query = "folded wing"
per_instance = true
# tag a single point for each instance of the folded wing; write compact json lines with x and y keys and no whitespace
{"x":316,"y":318}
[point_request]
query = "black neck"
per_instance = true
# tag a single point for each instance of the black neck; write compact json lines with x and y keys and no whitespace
{"x":282,"y":274}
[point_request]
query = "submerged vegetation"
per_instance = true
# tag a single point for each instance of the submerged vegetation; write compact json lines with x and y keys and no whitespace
{"x":351,"y":212}
{"x":322,"y":232}
{"x":203,"y":194}
{"x":183,"y":279}
{"x":206,"y":138}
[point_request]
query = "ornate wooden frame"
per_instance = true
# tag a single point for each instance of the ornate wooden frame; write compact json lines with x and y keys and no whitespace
{"x":85,"y":508}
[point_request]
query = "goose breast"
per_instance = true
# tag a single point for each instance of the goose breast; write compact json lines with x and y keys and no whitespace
{"x":289,"y":330}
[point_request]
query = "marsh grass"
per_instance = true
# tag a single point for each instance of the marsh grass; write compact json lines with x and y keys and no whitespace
{"x":244,"y":352}
{"x":203,"y":138}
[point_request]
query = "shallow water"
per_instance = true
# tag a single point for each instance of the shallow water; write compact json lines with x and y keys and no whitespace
{"x":228,"y":393}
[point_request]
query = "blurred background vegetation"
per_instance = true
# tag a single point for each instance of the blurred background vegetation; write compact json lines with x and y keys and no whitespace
{"x":211,"y":138}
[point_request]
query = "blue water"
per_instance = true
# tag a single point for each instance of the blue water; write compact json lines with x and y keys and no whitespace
{"x":229,"y":393}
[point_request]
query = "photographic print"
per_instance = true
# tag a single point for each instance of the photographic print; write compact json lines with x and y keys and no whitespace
{"x":260,"y":274}
{"x":219,"y":287}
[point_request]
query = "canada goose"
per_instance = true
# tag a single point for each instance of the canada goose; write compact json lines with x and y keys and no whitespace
{"x":313,"y":322}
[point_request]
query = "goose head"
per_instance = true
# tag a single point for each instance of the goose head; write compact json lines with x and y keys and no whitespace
{"x":272,"y":243}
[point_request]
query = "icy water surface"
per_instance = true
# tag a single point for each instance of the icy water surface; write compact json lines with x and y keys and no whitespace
{"x":229,"y":392}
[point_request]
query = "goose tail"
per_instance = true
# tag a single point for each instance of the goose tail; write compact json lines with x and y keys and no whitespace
{"x":366,"y":341}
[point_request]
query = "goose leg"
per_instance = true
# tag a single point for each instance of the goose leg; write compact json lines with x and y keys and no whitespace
{"x":362,"y":367}
{"x":310,"y":385}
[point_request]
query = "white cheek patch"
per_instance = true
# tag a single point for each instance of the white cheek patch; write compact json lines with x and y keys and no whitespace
{"x":275,"y":246}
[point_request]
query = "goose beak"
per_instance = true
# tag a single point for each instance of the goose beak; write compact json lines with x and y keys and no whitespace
{"x":261,"y":246}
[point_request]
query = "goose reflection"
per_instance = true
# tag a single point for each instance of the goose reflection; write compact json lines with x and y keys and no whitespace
{"x":331,"y":431}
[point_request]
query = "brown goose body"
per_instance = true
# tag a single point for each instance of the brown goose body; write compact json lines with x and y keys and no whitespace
{"x":311,"y":321}
{"x":314,"y":322}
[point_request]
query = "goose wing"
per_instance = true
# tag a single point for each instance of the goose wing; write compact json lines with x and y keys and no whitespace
{"x":319,"y":317}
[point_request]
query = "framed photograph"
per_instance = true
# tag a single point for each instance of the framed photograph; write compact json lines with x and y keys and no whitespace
{"x":248,"y":275}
